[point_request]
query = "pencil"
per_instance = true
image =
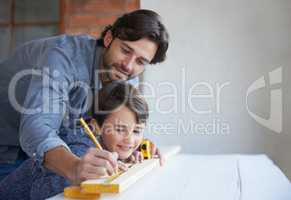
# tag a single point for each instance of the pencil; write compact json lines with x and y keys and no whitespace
{"x":93,"y":138}
{"x":89,"y":132}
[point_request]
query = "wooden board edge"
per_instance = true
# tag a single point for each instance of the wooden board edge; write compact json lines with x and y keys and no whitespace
{"x":135,"y":173}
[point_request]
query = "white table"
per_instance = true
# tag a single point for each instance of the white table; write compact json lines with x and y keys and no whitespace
{"x":209,"y":177}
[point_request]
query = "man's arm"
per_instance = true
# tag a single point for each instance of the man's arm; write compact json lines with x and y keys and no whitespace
{"x":94,"y":164}
{"x":62,"y":162}
{"x":46,"y":103}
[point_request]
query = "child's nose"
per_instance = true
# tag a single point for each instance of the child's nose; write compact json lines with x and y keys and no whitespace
{"x":128,"y":138}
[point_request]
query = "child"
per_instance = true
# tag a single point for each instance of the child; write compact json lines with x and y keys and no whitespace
{"x":121,"y":113}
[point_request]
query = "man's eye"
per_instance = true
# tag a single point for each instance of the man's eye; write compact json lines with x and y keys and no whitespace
{"x":139,"y":62}
{"x":125,"y":51}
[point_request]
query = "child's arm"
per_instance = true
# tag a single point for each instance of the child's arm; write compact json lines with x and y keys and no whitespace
{"x":137,"y":156}
{"x":156,"y":151}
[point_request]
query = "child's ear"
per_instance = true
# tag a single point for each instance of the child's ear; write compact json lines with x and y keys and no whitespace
{"x":95,"y":127}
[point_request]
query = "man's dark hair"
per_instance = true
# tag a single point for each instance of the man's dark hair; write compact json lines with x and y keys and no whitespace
{"x":116,"y":94}
{"x":141,"y":24}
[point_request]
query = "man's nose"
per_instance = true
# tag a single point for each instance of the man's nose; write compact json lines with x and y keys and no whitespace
{"x":128,"y":65}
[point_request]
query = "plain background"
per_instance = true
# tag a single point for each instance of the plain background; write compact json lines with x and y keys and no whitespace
{"x":232,"y":42}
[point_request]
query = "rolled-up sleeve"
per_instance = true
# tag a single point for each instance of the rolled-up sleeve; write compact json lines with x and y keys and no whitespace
{"x":45,"y":104}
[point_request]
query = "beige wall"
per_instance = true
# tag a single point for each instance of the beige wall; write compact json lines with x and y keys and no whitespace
{"x":218,"y":49}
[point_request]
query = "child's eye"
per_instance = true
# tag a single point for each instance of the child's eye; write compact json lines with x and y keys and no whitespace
{"x":119,"y":129}
{"x":137,"y":132}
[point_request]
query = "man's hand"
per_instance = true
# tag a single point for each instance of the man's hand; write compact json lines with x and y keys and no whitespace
{"x":94,"y":164}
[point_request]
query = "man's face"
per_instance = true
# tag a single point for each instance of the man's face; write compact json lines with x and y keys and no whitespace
{"x":123,"y":60}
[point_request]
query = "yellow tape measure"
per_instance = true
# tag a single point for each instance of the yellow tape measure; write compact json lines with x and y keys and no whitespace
{"x":145,"y":148}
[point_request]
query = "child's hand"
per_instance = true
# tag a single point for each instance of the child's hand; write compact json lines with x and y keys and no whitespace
{"x":136,"y":157}
{"x":156,"y":152}
{"x":122,"y":166}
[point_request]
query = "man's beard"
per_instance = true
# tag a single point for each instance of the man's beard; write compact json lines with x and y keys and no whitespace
{"x":107,"y":68}
{"x":112,"y":72}
{"x":106,"y":73}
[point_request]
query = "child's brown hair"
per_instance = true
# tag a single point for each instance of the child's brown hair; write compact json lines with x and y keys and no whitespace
{"x":116,"y":94}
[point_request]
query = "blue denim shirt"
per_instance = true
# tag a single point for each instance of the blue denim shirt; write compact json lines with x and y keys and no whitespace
{"x":45,"y":86}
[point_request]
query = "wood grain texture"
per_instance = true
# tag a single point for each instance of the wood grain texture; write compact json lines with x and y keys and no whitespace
{"x":127,"y":178}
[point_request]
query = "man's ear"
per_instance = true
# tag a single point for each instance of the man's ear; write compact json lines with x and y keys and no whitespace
{"x":107,"y":38}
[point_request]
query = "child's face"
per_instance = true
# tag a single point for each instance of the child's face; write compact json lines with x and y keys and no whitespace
{"x":121,"y":133}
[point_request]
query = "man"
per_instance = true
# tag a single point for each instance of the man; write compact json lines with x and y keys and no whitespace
{"x":45,"y":86}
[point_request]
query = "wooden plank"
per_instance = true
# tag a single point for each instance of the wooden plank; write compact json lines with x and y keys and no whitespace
{"x":126,"y":179}
{"x":76,"y":193}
